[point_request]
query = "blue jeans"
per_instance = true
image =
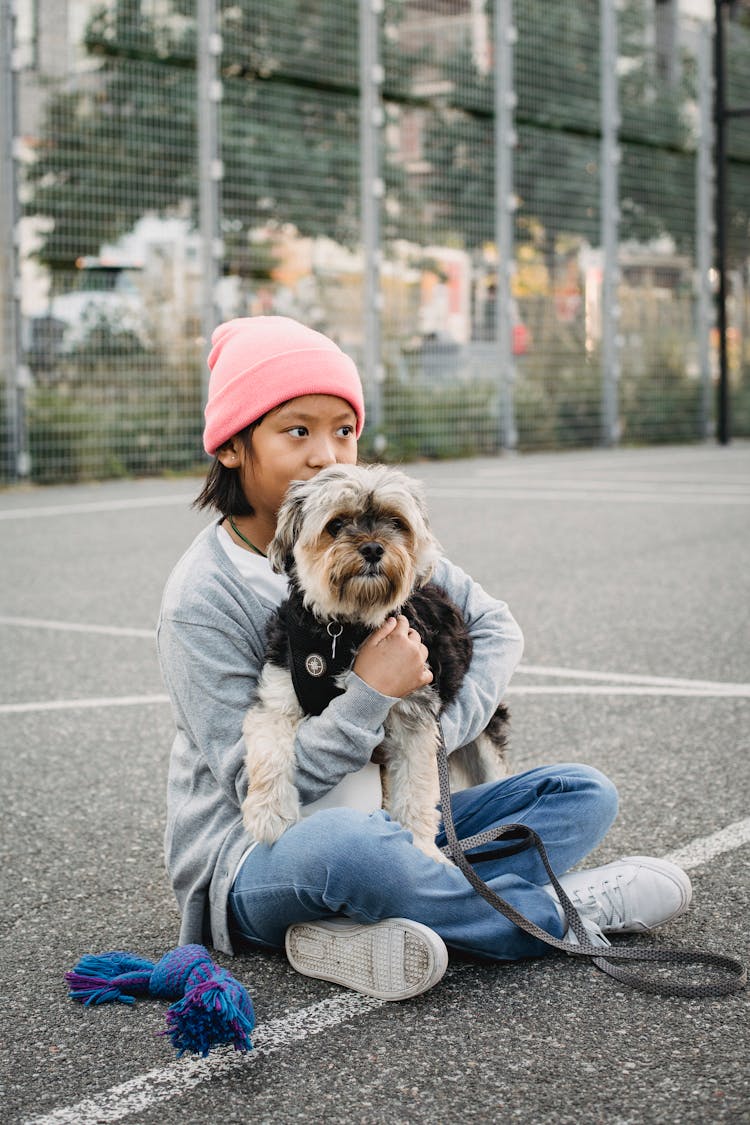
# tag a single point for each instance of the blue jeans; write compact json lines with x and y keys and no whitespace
{"x":341,"y":861}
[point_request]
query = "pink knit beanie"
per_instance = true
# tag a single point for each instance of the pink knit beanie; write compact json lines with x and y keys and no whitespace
{"x":258,"y":362}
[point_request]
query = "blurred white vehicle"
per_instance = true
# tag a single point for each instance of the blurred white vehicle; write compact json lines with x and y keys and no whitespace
{"x":106,"y":301}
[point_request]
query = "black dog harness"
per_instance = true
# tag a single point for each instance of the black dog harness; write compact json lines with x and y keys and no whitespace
{"x":317,"y":654}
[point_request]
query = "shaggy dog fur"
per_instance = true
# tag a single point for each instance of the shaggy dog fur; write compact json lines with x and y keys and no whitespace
{"x":357,"y":548}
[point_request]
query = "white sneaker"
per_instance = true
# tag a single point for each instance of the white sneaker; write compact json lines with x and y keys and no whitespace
{"x":392,"y":960}
{"x":633,"y":895}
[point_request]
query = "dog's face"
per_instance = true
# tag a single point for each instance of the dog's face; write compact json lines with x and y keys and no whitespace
{"x":355,"y":540}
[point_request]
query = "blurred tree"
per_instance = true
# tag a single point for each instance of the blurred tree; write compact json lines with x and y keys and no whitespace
{"x":657,"y":136}
{"x":556,"y":162}
{"x":119,"y":144}
{"x":124,"y":141}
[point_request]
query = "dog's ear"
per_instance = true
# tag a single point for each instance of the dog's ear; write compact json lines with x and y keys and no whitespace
{"x":429,"y":553}
{"x":428,"y":548}
{"x":288,"y":527}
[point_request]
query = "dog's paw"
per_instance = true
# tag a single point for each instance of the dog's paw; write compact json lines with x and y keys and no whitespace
{"x":265,"y":823}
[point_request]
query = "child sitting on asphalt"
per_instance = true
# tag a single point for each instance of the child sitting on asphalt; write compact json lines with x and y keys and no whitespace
{"x":345,"y":890}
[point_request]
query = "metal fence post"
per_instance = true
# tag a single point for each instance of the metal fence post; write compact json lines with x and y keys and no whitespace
{"x":609,"y":221}
{"x":720,"y":157}
{"x":704,"y":230}
{"x":210,"y":170}
{"x":371,"y":194}
{"x":15,"y":451}
{"x":505,"y":206}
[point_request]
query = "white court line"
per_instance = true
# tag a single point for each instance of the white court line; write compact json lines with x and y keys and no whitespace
{"x":625,"y":677}
{"x":683,"y":691}
{"x":72,"y":627}
{"x":739,"y":691}
{"x":97,"y":506}
{"x":472,"y":492}
{"x":472,"y":489}
{"x":77,"y":704}
{"x":720,"y":686}
{"x":177,"y":1078}
{"x":705,"y":848}
{"x":615,"y":484}
{"x":618,"y":475}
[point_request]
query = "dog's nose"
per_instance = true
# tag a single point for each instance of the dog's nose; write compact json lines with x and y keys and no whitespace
{"x":371,"y":551}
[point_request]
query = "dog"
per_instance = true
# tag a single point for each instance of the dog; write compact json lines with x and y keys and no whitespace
{"x":356,"y":545}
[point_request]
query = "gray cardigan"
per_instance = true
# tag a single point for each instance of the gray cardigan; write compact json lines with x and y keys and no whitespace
{"x":211,"y":645}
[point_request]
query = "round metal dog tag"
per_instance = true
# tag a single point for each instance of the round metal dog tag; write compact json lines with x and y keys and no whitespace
{"x":315,"y":665}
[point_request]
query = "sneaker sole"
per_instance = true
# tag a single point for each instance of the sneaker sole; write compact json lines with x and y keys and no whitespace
{"x":390,"y":960}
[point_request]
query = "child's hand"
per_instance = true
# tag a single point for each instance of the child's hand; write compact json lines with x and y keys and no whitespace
{"x":393,"y":660}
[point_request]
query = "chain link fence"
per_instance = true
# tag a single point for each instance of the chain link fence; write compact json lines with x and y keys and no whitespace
{"x":501,"y":211}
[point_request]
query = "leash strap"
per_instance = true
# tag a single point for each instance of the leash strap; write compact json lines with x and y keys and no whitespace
{"x":606,"y":961}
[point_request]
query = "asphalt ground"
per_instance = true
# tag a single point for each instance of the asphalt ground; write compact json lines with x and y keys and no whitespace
{"x":629,"y":573}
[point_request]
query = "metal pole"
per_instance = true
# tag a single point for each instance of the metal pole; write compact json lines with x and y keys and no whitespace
{"x":15,"y":452}
{"x":210,"y":170}
{"x":371,"y":194}
{"x":505,"y":206}
{"x":720,"y":156}
{"x":609,"y":221}
{"x":704,"y":227}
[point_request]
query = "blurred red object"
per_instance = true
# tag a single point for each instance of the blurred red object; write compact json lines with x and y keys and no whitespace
{"x":521,"y":339}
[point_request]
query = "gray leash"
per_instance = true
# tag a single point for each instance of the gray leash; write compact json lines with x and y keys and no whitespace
{"x":523,"y":837}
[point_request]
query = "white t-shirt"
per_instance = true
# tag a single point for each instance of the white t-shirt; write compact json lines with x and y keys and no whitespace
{"x":360,"y":790}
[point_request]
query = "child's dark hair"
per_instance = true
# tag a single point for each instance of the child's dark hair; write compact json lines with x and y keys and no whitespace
{"x":223,"y":487}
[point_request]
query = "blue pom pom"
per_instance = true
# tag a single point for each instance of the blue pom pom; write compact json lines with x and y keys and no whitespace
{"x":216,"y":1012}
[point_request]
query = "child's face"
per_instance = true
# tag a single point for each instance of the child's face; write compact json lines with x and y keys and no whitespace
{"x":294,"y":442}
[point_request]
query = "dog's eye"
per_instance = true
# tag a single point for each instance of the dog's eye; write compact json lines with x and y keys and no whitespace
{"x":398,"y":524}
{"x":334,"y":527}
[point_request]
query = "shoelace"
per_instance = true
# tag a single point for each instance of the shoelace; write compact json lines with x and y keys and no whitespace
{"x":607,"y":906}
